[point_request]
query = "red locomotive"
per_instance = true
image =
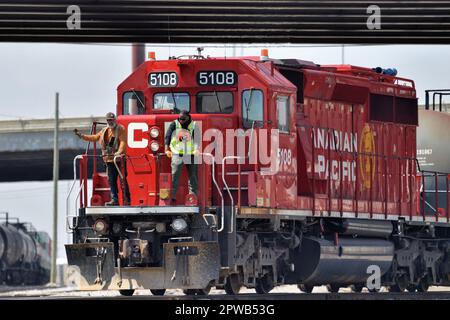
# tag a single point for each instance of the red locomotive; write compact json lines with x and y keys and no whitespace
{"x":307,"y":176}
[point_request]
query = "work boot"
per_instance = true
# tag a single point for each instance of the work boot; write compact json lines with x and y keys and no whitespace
{"x":112,"y":203}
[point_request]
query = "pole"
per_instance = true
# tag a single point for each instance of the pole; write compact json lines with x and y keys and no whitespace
{"x":343,"y":54}
{"x":55,"y":192}
{"x":137,"y":55}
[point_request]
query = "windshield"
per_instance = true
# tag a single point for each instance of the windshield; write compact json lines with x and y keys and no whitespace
{"x":176,"y":101}
{"x":252,"y":108}
{"x":215,"y":102}
{"x":133,"y":102}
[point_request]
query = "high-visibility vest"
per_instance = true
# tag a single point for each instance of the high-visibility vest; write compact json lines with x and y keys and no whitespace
{"x":108,"y":148}
{"x":182,"y":139}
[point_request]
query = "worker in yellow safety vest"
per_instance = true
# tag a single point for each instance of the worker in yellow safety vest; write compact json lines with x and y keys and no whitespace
{"x":182,"y":147}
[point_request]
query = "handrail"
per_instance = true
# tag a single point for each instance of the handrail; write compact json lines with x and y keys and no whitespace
{"x":423,"y":192}
{"x":228,"y":189}
{"x":76,"y":200}
{"x":117,"y":167}
{"x":78,"y":157}
{"x":222,"y":222}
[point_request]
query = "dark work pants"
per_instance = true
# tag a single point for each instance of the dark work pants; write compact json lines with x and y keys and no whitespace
{"x":112,"y":180}
{"x":192,"y":168}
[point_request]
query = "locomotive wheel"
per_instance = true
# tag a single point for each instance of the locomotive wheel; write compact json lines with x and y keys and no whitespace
{"x":205,"y":291}
{"x":307,"y":288}
{"x":411,"y":288}
{"x":333,"y":288}
{"x":127,"y":293}
{"x":357,"y":288}
{"x":401,"y":284}
{"x":190,"y":292}
{"x":423,"y":285}
{"x":233,"y":284}
{"x":158,"y":292}
{"x":264,"y":285}
{"x":197,"y":292}
{"x":374,"y":290}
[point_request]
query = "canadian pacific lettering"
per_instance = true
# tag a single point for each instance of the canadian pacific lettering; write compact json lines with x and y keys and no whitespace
{"x":339,"y":141}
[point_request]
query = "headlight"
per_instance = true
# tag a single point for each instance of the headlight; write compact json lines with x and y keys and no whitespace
{"x":154,"y":133}
{"x":100,"y":226}
{"x":179,"y":225}
{"x":154,"y":146}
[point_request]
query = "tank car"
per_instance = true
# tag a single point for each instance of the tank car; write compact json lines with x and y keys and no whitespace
{"x":308,"y":176}
{"x":24,"y":254}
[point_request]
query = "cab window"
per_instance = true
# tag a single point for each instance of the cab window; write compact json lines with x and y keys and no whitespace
{"x":283,"y":113}
{"x":133,"y":103}
{"x":176,"y":101}
{"x":252,"y":108}
{"x":215,"y":102}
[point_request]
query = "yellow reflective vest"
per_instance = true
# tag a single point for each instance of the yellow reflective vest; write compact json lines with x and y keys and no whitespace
{"x":182,"y":141}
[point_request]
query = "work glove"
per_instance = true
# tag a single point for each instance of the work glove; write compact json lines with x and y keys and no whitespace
{"x":77,"y":133}
{"x":168,"y":154}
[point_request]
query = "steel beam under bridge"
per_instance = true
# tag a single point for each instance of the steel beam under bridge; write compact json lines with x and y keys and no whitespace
{"x":26,"y":148}
{"x":229,"y":21}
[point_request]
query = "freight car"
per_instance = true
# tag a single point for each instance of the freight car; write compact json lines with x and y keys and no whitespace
{"x":308,"y":175}
{"x":24,"y":254}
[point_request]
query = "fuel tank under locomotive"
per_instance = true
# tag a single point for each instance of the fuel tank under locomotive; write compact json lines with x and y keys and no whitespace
{"x":320,"y":261}
{"x":16,"y":246}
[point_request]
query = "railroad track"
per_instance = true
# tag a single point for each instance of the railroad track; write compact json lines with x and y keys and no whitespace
{"x":437,"y":295}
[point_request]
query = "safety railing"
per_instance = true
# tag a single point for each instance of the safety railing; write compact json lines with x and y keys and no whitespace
{"x":213,"y":174}
{"x":70,"y":226}
{"x":377,"y":176}
{"x":435,"y":207}
{"x":82,"y":190}
{"x":436,"y":92}
{"x":239,"y":184}
{"x":119,"y":170}
{"x":227,"y":188}
{"x":216,"y":185}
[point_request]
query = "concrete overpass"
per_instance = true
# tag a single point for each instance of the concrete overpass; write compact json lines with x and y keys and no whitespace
{"x":26,"y":148}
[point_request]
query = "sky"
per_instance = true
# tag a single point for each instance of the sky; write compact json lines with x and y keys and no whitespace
{"x":87,"y":75}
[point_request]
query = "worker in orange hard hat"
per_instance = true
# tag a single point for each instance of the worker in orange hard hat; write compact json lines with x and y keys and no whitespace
{"x":112,"y":139}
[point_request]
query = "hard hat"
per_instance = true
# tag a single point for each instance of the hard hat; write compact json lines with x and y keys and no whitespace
{"x":110,"y":115}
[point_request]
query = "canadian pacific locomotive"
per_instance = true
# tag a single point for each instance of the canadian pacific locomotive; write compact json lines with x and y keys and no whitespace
{"x":24,"y":254}
{"x":307,"y":175}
